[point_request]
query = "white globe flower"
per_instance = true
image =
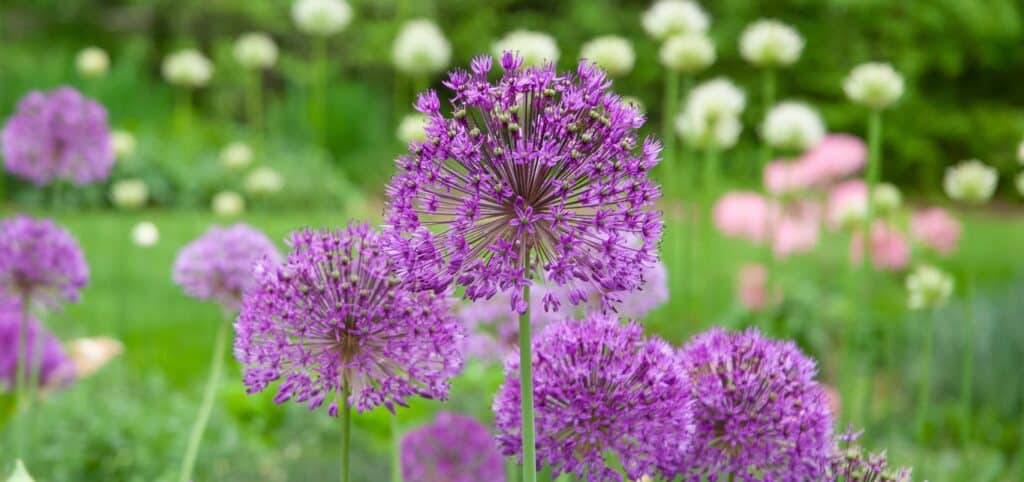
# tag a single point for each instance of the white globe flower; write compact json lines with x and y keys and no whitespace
{"x":187,"y":68}
{"x":711,"y":115}
{"x":971,"y":182}
{"x":887,"y":198}
{"x":236,"y":156}
{"x":793,"y":126}
{"x":1019,"y":182}
{"x":321,"y":17}
{"x":263,"y":181}
{"x":411,"y":128}
{"x":876,"y":85}
{"x":421,"y":48}
{"x":255,"y":50}
{"x":673,"y":17}
{"x":928,"y":287}
{"x":536,"y":48}
{"x":612,"y":53}
{"x":129,"y":193}
{"x":1020,"y":152}
{"x":716,"y":98}
{"x":227,"y":204}
{"x":852,"y":213}
{"x":770,"y":43}
{"x":145,"y":234}
{"x":687,"y":53}
{"x":702,"y":132}
{"x":92,"y":62}
{"x":123,"y":143}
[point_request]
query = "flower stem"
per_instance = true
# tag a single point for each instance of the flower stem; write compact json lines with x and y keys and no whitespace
{"x":874,"y":172}
{"x":967,"y":364}
{"x":206,"y":408}
{"x":254,"y":101}
{"x":396,"y":450}
{"x":767,"y":101}
{"x":346,"y":435}
{"x":318,"y":105}
{"x":526,"y":389}
{"x":668,"y":137}
{"x":768,"y":87}
{"x":22,"y":401}
{"x":926,"y":365}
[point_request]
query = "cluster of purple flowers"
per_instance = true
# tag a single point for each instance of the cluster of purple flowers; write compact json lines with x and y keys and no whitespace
{"x":454,"y":448}
{"x":219,"y":265}
{"x":52,"y":365}
{"x":850,"y":463}
{"x":40,"y":261}
{"x":58,"y":135}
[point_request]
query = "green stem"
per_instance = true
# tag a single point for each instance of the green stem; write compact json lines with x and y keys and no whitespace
{"x":346,"y":434}
{"x":254,"y":101}
{"x":396,"y":450}
{"x":874,"y":173}
{"x":668,"y":136}
{"x":318,"y":105}
{"x":184,"y":109}
{"x":209,"y":395}
{"x":768,"y":88}
{"x":767,"y":101}
{"x":526,"y":388}
{"x":967,"y":364}
{"x":22,"y":401}
{"x":711,"y":169}
{"x":926,"y":365}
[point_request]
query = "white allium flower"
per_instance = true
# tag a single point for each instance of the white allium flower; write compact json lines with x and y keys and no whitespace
{"x":1019,"y":182}
{"x":421,"y":48}
{"x":123,"y":143}
{"x":716,"y":98}
{"x":263,"y":181}
{"x":687,"y":53}
{"x":702,"y":132}
{"x":129,"y":193}
{"x":92,"y":62}
{"x":227,"y":204}
{"x":971,"y":182}
{"x":236,"y":156}
{"x":887,"y":198}
{"x":793,"y":126}
{"x":852,"y":213}
{"x":411,"y":128}
{"x":1020,"y":152}
{"x":672,"y":17}
{"x":536,"y":48}
{"x":874,"y":84}
{"x":771,"y":43}
{"x":612,"y":53}
{"x":255,"y":50}
{"x":928,"y":287}
{"x":321,"y":17}
{"x":187,"y":68}
{"x":145,"y":234}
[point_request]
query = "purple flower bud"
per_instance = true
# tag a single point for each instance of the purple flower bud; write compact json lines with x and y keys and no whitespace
{"x":454,"y":448}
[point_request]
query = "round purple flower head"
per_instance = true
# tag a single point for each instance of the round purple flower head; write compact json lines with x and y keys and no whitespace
{"x":600,"y":388}
{"x":58,"y":135}
{"x":538,"y":171}
{"x":219,"y":264}
{"x":41,"y":261}
{"x":334,"y":318}
{"x":758,"y":409}
{"x":455,"y":448}
{"x":636,"y":304}
{"x":55,"y":369}
{"x":850,"y":463}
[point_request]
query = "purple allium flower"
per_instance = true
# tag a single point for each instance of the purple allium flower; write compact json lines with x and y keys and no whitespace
{"x":58,"y":135}
{"x":850,"y":463}
{"x":757,"y":408}
{"x":600,"y":388}
{"x":219,"y":264}
{"x":493,"y":326}
{"x":333,"y":317}
{"x":40,"y":260}
{"x":55,"y":369}
{"x":536,"y":172}
{"x":455,"y":448}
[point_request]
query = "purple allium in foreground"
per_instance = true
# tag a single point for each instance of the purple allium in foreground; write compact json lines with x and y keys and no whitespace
{"x":55,"y":369}
{"x":219,"y":265}
{"x":455,"y":448}
{"x":850,"y":463}
{"x":40,"y":260}
{"x":757,"y":408}
{"x":333,"y":316}
{"x":601,"y":388}
{"x":58,"y":135}
{"x":536,"y":172}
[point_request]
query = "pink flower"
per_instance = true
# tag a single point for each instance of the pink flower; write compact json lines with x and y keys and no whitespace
{"x":936,"y":229}
{"x":742,"y":214}
{"x":889,"y":247}
{"x":797,"y":230}
{"x":753,"y":286}
{"x":835,"y":157}
{"x":847,"y":201}
{"x":783,"y":177}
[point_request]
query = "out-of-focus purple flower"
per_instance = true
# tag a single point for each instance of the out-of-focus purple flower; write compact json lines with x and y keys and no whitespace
{"x":936,"y":229}
{"x":538,"y":172}
{"x":493,"y":326}
{"x":54,"y":368}
{"x":850,"y":463}
{"x":219,"y":265}
{"x":58,"y":135}
{"x":600,"y":388}
{"x":455,"y":448}
{"x":40,"y":260}
{"x":757,"y":408}
{"x":334,"y":317}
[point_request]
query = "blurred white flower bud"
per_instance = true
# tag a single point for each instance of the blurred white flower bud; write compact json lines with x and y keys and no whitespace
{"x":236,"y":156}
{"x":770,"y":43}
{"x":145,"y":234}
{"x":688,"y":53}
{"x":421,"y":48}
{"x":187,"y":68}
{"x":887,"y":198}
{"x":971,"y":182}
{"x":227,"y":204}
{"x":123,"y":143}
{"x":263,"y":181}
{"x":92,"y":62}
{"x":536,"y":48}
{"x":793,"y":126}
{"x":612,"y":53}
{"x":876,"y":85}
{"x":129,"y":193}
{"x":928,"y":287}
{"x":255,"y":50}
{"x":666,"y":18}
{"x":411,"y":128}
{"x":321,"y":17}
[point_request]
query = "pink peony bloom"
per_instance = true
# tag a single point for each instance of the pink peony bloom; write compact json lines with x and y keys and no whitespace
{"x":847,"y":201}
{"x":753,"y":286}
{"x":834,"y":158}
{"x":784,"y":177}
{"x":797,"y":230}
{"x":936,"y":229}
{"x":742,"y":214}
{"x":889,"y":247}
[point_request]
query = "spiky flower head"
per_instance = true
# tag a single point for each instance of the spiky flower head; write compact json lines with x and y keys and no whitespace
{"x":971,"y":182}
{"x":600,"y":388}
{"x":534,"y":48}
{"x":59,"y":135}
{"x":612,"y":53}
{"x":851,"y":463}
{"x":453,"y":448}
{"x":334,"y":319}
{"x":770,"y":43}
{"x":536,"y":176}
{"x":688,"y":53}
{"x":928,"y":287}
{"x":255,"y":50}
{"x":129,"y":193}
{"x":710,"y":117}
{"x":757,"y":408}
{"x":793,"y":126}
{"x":187,"y":68}
{"x":92,"y":62}
{"x":421,"y":48}
{"x":218,"y":266}
{"x":41,"y":261}
{"x":49,"y":361}
{"x":236,"y":156}
{"x":321,"y":18}
{"x":412,"y":128}
{"x":666,"y":18}
{"x":876,"y":85}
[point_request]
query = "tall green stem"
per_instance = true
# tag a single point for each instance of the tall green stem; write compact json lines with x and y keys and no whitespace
{"x":184,"y":109}
{"x":668,"y":136}
{"x":526,"y":388}
{"x":967,"y":364}
{"x":874,"y":173}
{"x":396,"y":450}
{"x":346,"y":435}
{"x":22,"y":401}
{"x":768,"y":88}
{"x":711,"y":169}
{"x":318,"y":105}
{"x":254,"y":101}
{"x":926,"y":379}
{"x":209,"y":394}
